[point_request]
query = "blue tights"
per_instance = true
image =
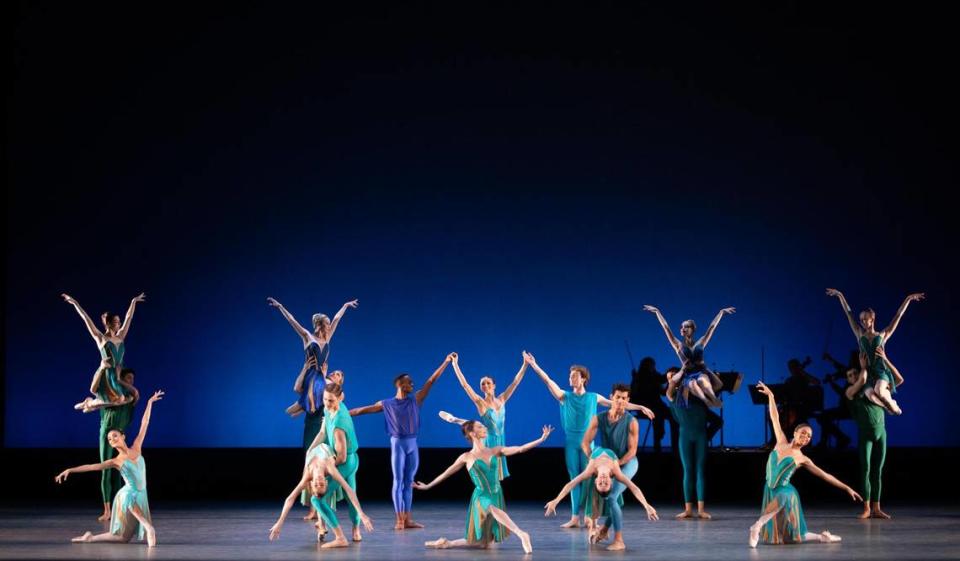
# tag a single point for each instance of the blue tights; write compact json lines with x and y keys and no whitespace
{"x":404,"y":460}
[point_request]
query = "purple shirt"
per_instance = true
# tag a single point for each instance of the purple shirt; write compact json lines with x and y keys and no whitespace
{"x":402,"y":416}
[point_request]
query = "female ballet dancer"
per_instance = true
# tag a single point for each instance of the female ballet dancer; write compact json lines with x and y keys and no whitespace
{"x":401,"y":414}
{"x":487,"y":518}
{"x":318,"y":470}
{"x":577,"y":408}
{"x":603,"y":468}
{"x":339,"y":435}
{"x":695,"y":375}
{"x":881,"y":381}
{"x":781,"y":520}
{"x":109,"y":387}
{"x":692,"y":442}
{"x":131,"y":511}
{"x":491,"y":408}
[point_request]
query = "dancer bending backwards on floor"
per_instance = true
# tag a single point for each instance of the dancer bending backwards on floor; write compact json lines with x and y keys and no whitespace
{"x":487,"y":518}
{"x":577,"y":408}
{"x":692,"y":442}
{"x":700,"y":380}
{"x":781,"y":520}
{"x":881,"y":381}
{"x":491,"y":408}
{"x":401,"y":413}
{"x":131,"y":511}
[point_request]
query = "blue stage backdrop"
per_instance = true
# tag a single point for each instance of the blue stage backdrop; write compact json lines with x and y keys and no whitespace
{"x":483,"y":202}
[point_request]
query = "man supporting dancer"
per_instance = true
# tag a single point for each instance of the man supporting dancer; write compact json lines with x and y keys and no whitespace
{"x":620,"y":433}
{"x":577,"y":408}
{"x":692,"y":444}
{"x":781,"y":520}
{"x":402,"y":417}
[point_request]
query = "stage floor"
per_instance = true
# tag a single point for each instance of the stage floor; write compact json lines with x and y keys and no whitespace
{"x":239,"y":531}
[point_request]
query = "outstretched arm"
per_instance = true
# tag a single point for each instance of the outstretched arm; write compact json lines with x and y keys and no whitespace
{"x":713,"y":326}
{"x":774,"y":414}
{"x":899,"y":315}
{"x":604,"y":402}
{"x":62,"y":476}
{"x":512,"y":450}
{"x":551,"y":507}
{"x":339,"y":315}
{"x":351,"y":494}
{"x":122,"y":334}
{"x":674,"y":342}
{"x":303,"y":333}
{"x":288,"y":504}
{"x":145,"y":422}
{"x":831,"y":480}
{"x":651,"y":512}
{"x":555,"y":390}
{"x":476,"y":399}
{"x":507,"y":393}
{"x":91,"y":327}
{"x":375,"y":408}
{"x":846,"y":310}
{"x":422,"y":392}
{"x":461,"y":461}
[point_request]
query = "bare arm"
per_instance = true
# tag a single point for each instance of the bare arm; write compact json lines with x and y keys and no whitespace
{"x":637,"y":493}
{"x":321,"y":434}
{"x":555,"y":390}
{"x":111,"y":463}
{"x":632,"y":442}
{"x":476,"y":399}
{"x":145,"y":422}
{"x":588,"y":436}
{"x":899,"y":315}
{"x":351,"y":494}
{"x":122,"y":334}
{"x":713,"y":326}
{"x":303,"y":333}
{"x":674,"y":342}
{"x":288,"y":504}
{"x":340,"y":440}
{"x":507,"y":393}
{"x":422,"y":392}
{"x":461,"y":461}
{"x":551,"y":507}
{"x":898,"y":378}
{"x":512,"y":450}
{"x":604,"y":402}
{"x":91,"y":327}
{"x":774,"y":414}
{"x":375,"y":408}
{"x":671,"y":392}
{"x":311,"y":362}
{"x":831,"y":479}
{"x":339,"y":315}
{"x":846,"y":310}
{"x":95,"y":384}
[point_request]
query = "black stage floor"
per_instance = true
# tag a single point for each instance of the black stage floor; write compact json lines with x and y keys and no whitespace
{"x":238,"y":531}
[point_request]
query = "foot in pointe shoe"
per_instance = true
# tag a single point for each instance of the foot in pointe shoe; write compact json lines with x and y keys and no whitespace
{"x":754,"y":535}
{"x":574,"y":522}
{"x":82,"y":539}
{"x":438,"y":543}
{"x":829,"y":538}
{"x":447,"y":417}
{"x":525,"y":541}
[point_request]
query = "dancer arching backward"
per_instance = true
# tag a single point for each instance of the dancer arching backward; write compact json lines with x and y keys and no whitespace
{"x":109,"y":387}
{"x":692,"y":442}
{"x":131,"y":510}
{"x":603,"y":468}
{"x":491,"y":408}
{"x":319,"y":469}
{"x":881,"y":381}
{"x":401,"y":414}
{"x":871,"y":435}
{"x":487,"y":518}
{"x":577,"y":407}
{"x":781,"y":519}
{"x":619,"y":433}
{"x":695,"y":375}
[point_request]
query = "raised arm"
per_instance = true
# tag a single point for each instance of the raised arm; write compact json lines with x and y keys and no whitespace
{"x":882,"y":354}
{"x":512,"y":450}
{"x":303,"y":333}
{"x":339,"y":315}
{"x":774,"y":414}
{"x":831,"y":480}
{"x":854,"y":388}
{"x":62,"y":476}
{"x":589,"y":435}
{"x":461,"y":461}
{"x":288,"y":504}
{"x":551,"y":507}
{"x":375,"y":408}
{"x":125,"y":328}
{"x":91,"y":327}
{"x":846,"y":310}
{"x":145,"y":422}
{"x":671,"y":391}
{"x":351,"y":494}
{"x":476,"y":399}
{"x":604,"y":402}
{"x":425,"y":390}
{"x":713,"y":326}
{"x":916,"y":297}
{"x":507,"y":393}
{"x":674,"y":342}
{"x":555,"y":390}
{"x":651,"y":512}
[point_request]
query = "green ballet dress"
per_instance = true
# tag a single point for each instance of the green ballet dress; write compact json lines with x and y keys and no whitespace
{"x":494,"y":420}
{"x":788,"y":525}
{"x":132,"y":494}
{"x":482,"y":527}
{"x":876,"y":367}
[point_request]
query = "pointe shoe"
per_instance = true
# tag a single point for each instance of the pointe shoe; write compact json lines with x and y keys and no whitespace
{"x":754,"y":538}
{"x":830,"y":538}
{"x":447,"y":417}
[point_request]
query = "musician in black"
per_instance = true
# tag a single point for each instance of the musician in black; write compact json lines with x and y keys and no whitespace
{"x":647,"y":388}
{"x":829,"y":418}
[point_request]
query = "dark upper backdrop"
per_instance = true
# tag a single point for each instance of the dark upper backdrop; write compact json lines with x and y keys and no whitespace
{"x":486,"y":180}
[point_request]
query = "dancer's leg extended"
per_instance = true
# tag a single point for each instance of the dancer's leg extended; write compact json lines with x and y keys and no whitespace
{"x":615,"y":518}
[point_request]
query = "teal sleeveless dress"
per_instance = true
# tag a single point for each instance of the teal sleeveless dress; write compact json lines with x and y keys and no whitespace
{"x":789,"y":525}
{"x":494,"y":421}
{"x":132,"y":494}
{"x":482,"y":527}
{"x":876,"y":368}
{"x":110,"y":389}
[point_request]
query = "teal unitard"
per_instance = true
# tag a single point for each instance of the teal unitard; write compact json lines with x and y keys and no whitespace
{"x":693,"y":446}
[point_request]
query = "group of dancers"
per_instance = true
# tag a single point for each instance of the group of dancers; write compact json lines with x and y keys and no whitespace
{"x":598,"y":475}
